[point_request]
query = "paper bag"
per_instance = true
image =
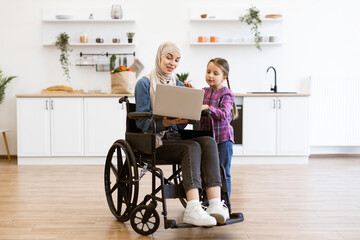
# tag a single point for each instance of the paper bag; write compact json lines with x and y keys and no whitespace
{"x":123,"y":82}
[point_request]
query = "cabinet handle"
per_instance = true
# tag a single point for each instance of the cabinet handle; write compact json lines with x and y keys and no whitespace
{"x":279,"y":103}
{"x":52,"y":105}
{"x":274,"y":104}
{"x":47,"y":105}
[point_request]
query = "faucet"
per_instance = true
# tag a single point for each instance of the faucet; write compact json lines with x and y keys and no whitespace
{"x":275,"y":87}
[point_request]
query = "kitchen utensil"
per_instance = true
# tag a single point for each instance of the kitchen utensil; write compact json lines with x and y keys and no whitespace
{"x":125,"y":61}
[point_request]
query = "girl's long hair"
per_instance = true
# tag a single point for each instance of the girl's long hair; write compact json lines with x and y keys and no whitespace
{"x":224,"y":66}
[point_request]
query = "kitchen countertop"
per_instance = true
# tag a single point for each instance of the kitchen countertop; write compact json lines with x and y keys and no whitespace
{"x":132,"y":95}
{"x":73,"y":95}
{"x":272,"y":94}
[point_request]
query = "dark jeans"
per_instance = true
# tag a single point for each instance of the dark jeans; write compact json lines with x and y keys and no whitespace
{"x":199,"y":161}
{"x":225,"y":155}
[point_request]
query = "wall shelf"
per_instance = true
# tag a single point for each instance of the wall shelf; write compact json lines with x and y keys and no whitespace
{"x":234,"y":43}
{"x":77,"y":22}
{"x":232,"y":20}
{"x":94,"y":44}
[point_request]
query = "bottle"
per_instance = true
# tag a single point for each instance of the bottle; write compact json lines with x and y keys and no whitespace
{"x":83,"y":37}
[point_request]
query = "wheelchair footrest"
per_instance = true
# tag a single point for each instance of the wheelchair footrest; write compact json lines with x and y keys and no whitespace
{"x":234,"y":218}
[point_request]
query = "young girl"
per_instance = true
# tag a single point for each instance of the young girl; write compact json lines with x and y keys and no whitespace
{"x":220,"y":101}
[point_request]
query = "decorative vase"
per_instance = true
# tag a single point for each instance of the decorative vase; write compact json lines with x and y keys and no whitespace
{"x":116,"y":12}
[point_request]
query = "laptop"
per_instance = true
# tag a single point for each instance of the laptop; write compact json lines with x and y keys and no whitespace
{"x":178,"y":102}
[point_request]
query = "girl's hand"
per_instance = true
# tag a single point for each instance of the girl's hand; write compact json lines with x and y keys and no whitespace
{"x":205,"y":107}
{"x":168,"y":122}
{"x":187,"y":84}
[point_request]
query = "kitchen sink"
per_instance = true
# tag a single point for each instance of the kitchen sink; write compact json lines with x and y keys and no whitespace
{"x":272,"y":92}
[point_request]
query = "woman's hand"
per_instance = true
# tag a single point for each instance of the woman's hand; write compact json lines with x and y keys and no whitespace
{"x":187,"y":84}
{"x":168,"y":122}
{"x":205,"y":107}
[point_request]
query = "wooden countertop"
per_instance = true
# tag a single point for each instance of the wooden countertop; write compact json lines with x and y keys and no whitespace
{"x":73,"y":95}
{"x":272,"y":94}
{"x":132,"y":95}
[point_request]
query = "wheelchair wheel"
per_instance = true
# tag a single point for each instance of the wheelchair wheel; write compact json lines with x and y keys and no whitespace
{"x":121,"y":180}
{"x":178,"y":180}
{"x":145,"y":219}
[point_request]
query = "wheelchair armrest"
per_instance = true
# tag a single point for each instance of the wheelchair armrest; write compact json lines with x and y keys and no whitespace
{"x":140,"y":115}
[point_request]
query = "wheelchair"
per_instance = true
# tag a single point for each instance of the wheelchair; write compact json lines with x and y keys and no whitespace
{"x":121,"y":177}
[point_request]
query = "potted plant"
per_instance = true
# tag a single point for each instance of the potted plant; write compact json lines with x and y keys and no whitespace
{"x":252,"y":18}
{"x":62,"y":44}
{"x":182,"y":77}
{"x":130,"y":36}
{"x":3,"y":82}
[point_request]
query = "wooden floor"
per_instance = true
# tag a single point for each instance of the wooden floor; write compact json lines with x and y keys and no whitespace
{"x":316,"y":201}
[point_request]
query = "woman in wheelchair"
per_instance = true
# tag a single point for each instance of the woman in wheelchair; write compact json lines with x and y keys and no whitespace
{"x":198,"y":156}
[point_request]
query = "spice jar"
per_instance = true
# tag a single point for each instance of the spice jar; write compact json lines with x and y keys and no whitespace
{"x":99,"y":39}
{"x":83,"y":37}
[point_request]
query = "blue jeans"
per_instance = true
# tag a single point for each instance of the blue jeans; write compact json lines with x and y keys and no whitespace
{"x":225,"y":156}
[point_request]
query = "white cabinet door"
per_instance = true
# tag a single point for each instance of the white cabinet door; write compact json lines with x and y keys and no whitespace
{"x":67,"y":126}
{"x":33,"y":126}
{"x":292,"y":125}
{"x":104,"y":124}
{"x":259,"y":126}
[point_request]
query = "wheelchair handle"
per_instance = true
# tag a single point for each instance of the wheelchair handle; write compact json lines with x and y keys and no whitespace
{"x":205,"y":112}
{"x":123,"y":99}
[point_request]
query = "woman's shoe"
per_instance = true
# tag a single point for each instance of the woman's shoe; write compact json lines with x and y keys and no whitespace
{"x":219,"y":211}
{"x":197,"y":216}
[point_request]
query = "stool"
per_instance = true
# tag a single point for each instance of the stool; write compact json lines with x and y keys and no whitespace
{"x":3,"y":131}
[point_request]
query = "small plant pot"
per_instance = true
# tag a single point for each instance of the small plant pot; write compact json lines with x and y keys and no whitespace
{"x":130,"y":40}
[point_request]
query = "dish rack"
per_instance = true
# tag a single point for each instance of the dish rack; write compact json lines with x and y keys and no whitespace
{"x":101,"y":61}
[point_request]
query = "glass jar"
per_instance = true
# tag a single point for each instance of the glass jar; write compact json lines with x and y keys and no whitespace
{"x":83,"y":37}
{"x":116,"y":12}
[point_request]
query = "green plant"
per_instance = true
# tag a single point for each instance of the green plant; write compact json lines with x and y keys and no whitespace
{"x":252,"y":18}
{"x":182,"y":77}
{"x":62,"y":44}
{"x":130,"y":34}
{"x":3,"y":82}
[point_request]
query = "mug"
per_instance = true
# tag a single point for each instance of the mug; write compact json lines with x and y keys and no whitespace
{"x":273,"y":39}
{"x":116,"y":40}
{"x":214,"y":39}
{"x":202,"y":39}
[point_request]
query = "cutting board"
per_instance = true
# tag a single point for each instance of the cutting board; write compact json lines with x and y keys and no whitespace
{"x":44,"y":91}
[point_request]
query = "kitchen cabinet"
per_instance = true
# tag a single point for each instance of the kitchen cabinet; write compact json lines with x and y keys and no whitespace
{"x":68,"y":130}
{"x":50,"y":126}
{"x":104,"y":122}
{"x":275,"y":126}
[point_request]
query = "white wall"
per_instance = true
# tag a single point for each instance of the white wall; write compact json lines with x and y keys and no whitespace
{"x":322,"y":37}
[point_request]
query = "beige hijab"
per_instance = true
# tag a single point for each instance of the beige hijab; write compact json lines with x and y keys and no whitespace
{"x":158,"y":76}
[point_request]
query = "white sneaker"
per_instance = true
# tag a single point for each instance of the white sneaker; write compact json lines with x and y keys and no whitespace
{"x":197,"y":216}
{"x":219,"y":211}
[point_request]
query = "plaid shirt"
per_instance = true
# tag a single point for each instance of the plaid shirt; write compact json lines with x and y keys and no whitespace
{"x":220,"y":102}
